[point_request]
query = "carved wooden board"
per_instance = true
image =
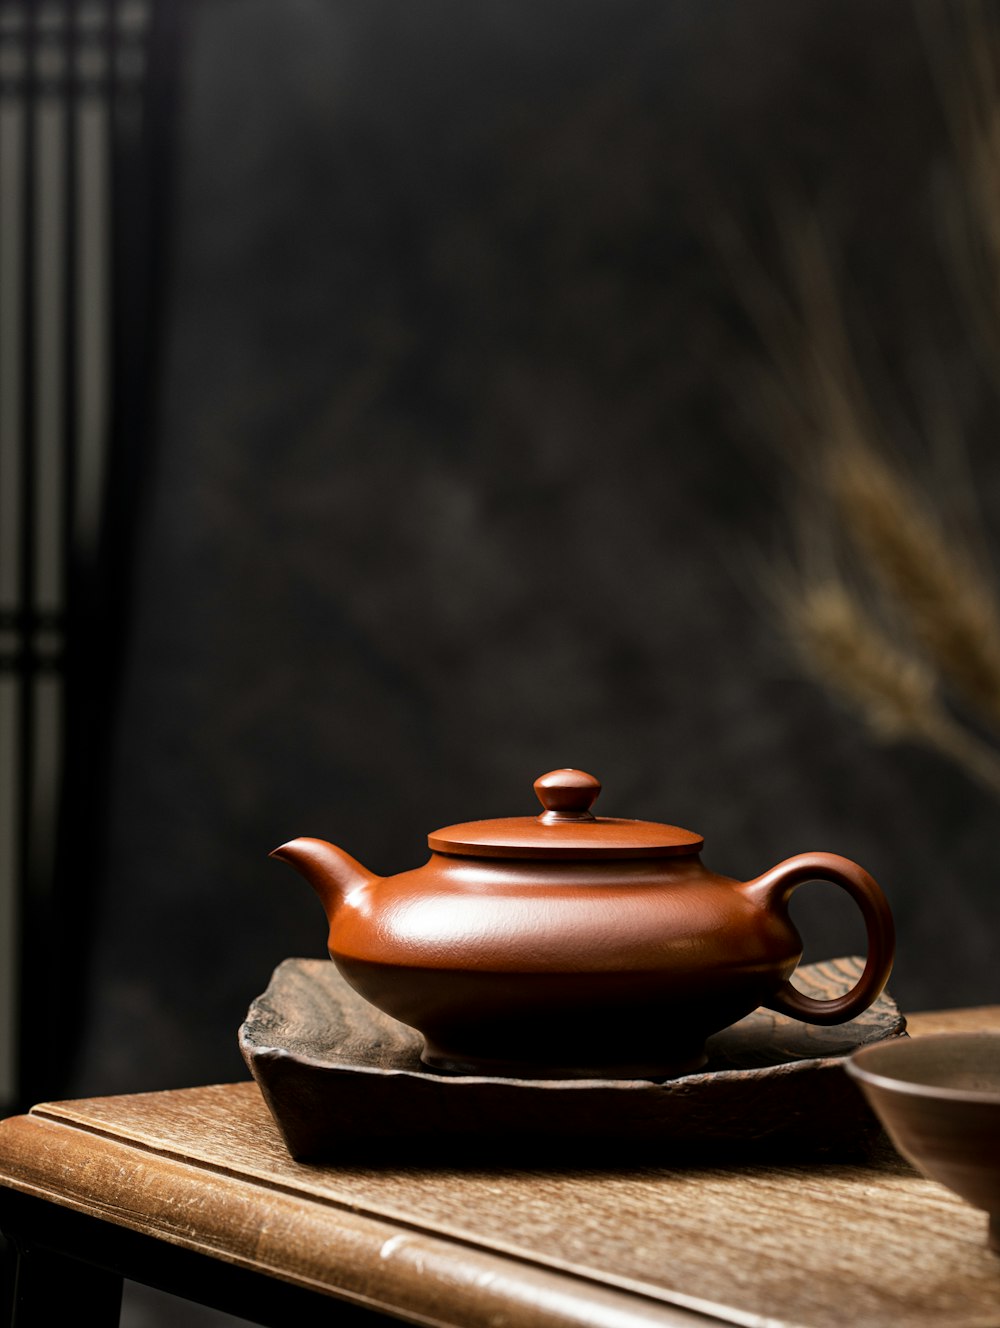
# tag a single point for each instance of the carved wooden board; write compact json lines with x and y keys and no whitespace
{"x":338,"y":1075}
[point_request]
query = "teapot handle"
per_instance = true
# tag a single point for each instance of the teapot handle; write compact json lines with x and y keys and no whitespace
{"x":777,"y":886}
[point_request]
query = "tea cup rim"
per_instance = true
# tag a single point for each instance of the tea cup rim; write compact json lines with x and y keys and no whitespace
{"x":911,"y":1087}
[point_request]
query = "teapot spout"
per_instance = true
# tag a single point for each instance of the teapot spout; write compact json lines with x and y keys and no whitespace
{"x":331,"y":872}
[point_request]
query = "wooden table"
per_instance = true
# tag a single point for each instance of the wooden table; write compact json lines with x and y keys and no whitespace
{"x":193,"y":1191}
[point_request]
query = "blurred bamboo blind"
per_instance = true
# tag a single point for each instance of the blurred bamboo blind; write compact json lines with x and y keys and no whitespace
{"x":71,"y":93}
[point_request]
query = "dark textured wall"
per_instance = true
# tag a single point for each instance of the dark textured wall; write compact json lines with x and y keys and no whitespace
{"x":455,"y":480}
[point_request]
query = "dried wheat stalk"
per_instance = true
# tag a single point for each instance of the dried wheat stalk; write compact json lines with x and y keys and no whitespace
{"x":928,"y":581}
{"x":949,"y":604}
{"x":849,"y":653}
{"x":865,"y":508}
{"x":937,"y":586}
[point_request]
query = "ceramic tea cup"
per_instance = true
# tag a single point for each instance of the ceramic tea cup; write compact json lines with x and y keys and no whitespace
{"x":938,"y":1098}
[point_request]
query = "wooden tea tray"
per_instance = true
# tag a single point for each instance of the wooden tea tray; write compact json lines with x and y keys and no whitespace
{"x":342,"y":1079}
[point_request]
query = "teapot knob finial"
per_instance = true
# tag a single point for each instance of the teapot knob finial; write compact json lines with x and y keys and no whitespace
{"x":566,"y":795}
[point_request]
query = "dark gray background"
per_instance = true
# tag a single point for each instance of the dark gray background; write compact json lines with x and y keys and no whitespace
{"x":457,"y":476}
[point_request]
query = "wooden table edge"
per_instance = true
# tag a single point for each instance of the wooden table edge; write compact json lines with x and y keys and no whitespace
{"x":415,"y":1274}
{"x":319,"y":1245}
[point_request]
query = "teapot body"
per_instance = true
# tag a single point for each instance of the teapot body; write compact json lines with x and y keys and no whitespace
{"x":578,"y":946}
{"x":567,"y":969}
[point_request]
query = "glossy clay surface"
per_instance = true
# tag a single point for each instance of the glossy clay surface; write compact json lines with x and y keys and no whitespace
{"x":573,"y":945}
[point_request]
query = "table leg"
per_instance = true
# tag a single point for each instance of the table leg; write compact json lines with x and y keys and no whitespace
{"x":50,"y":1288}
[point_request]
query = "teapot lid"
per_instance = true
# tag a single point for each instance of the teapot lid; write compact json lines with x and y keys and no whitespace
{"x":566,"y":828}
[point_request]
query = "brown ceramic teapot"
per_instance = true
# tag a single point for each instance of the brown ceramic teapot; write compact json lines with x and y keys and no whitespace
{"x":570,"y":945}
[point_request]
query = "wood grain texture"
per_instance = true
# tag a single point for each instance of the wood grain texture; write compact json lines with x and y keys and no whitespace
{"x":810,"y":1246}
{"x":319,"y":1246}
{"x":984,"y":1018}
{"x":335,"y":1072}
